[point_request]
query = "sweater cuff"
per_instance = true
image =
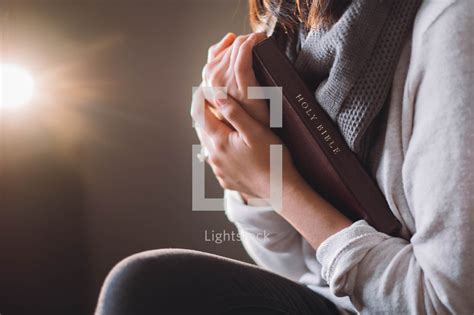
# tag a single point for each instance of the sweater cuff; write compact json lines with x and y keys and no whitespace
{"x":252,"y":218}
{"x":345,"y":249}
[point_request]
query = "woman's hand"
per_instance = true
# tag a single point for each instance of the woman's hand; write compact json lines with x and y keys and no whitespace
{"x":231,"y":67}
{"x":239,"y":154}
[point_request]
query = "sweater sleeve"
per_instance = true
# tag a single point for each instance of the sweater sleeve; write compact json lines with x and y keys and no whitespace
{"x":431,"y":273}
{"x":269,"y":240}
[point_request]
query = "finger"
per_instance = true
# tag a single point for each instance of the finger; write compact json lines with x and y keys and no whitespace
{"x":216,"y":49}
{"x":240,"y":120}
{"x":215,"y":55}
{"x":201,"y":108}
{"x":212,"y":93}
{"x":243,"y":69}
{"x":217,"y":65}
{"x":213,"y":126}
{"x":235,"y":49}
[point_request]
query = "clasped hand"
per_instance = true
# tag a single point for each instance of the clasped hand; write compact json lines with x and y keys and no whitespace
{"x":235,"y":130}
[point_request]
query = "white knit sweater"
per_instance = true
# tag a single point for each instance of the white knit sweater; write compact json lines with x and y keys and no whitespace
{"x":425,"y":170}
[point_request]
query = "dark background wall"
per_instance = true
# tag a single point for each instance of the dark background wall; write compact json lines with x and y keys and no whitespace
{"x":98,"y":167}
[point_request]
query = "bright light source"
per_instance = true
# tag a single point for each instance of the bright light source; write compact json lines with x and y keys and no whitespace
{"x":16,"y":86}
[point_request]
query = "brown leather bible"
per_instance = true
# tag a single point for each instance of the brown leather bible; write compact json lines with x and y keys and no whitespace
{"x":319,"y":151}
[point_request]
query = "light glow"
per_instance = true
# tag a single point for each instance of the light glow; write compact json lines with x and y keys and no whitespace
{"x":16,"y":86}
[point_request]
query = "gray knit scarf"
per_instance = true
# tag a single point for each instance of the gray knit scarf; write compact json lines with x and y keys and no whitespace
{"x":350,"y":65}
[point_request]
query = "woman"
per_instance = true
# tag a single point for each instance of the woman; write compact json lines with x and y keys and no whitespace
{"x":397,"y":79}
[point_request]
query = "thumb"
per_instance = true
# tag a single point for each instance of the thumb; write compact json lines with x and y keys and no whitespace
{"x":236,"y":115}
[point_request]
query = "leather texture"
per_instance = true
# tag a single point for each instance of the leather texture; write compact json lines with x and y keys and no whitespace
{"x":311,"y":136}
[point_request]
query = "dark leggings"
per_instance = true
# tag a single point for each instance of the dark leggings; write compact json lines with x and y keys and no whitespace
{"x":174,"y":281}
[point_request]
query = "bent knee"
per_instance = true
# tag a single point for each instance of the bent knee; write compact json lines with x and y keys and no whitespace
{"x":141,"y":268}
{"x":144,"y":278}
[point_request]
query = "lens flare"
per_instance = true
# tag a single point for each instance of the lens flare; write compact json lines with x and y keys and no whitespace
{"x":16,"y":86}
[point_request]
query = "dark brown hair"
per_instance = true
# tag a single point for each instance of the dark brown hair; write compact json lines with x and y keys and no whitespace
{"x":291,"y":13}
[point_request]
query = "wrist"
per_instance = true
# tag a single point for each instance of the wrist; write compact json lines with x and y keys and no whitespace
{"x":303,"y":208}
{"x":293,"y":185}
